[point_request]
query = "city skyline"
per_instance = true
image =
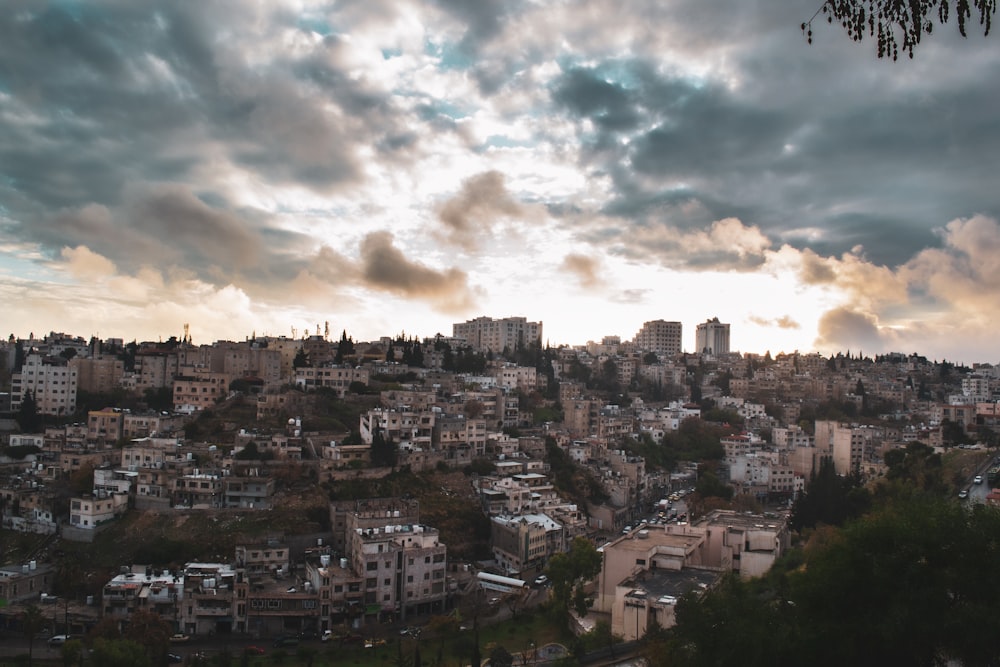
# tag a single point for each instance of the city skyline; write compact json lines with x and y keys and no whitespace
{"x":391,"y":167}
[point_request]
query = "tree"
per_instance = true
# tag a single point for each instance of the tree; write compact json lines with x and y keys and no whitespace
{"x":119,"y":653}
{"x":569,"y":573}
{"x":501,"y":657}
{"x":150,"y":631}
{"x":31,"y":624}
{"x":829,"y":498}
{"x":383,"y":450}
{"x":28,"y":418}
{"x":888,"y":21}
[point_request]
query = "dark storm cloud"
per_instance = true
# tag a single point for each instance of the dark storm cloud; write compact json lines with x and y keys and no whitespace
{"x":168,"y":225}
{"x":879,"y":168}
{"x":104,"y":94}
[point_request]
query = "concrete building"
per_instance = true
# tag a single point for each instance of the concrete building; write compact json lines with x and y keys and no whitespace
{"x":208,"y":601}
{"x":712,"y":337}
{"x":143,"y":588}
{"x":403,"y":567}
{"x":485,"y":333}
{"x":661,"y":337}
{"x":50,"y":380}
{"x":198,"y":389}
{"x":98,"y":374}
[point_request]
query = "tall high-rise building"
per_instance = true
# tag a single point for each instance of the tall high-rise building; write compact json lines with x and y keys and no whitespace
{"x":659,"y":336}
{"x":485,"y":333}
{"x":712,"y":337}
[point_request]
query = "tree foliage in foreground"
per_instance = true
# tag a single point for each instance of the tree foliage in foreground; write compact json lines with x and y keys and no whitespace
{"x":829,"y":499}
{"x":899,"y":25}
{"x":914,"y":583}
{"x":569,"y":572}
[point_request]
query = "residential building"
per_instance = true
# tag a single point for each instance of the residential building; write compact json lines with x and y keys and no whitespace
{"x":485,"y":333}
{"x":659,"y":336}
{"x":198,"y":389}
{"x":50,"y":380}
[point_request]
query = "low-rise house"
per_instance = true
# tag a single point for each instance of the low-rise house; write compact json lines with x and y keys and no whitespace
{"x":25,"y":583}
{"x":143,"y":588}
{"x":91,"y":512}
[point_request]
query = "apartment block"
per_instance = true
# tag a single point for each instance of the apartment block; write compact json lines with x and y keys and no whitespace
{"x":661,"y":337}
{"x":485,"y":333}
{"x":50,"y":380}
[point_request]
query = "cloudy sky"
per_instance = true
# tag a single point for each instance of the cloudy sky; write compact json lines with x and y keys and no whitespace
{"x":395,"y":166}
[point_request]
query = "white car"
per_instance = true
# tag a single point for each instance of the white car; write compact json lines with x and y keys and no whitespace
{"x":978,"y":479}
{"x":58,"y":640}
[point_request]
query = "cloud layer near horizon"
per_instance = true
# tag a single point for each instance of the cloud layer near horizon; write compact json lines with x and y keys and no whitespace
{"x":403,"y":165}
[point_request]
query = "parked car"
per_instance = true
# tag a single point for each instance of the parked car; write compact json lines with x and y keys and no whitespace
{"x":541,"y":580}
{"x":58,"y":640}
{"x":964,"y":493}
{"x":179,"y":638}
{"x":326,"y":636}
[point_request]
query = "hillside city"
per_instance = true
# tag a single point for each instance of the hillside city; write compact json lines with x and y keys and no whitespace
{"x":280,"y":490}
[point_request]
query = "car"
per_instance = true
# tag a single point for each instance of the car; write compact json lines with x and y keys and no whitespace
{"x":253,"y":650}
{"x":58,"y":640}
{"x":978,"y":479}
{"x":179,"y":638}
{"x":541,"y":580}
{"x":326,"y":636}
{"x":964,"y":493}
{"x":174,"y":659}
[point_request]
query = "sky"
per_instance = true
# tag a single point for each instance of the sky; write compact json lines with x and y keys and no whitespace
{"x":387,"y":167}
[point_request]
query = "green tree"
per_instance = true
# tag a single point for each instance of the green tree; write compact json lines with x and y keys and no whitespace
{"x":119,"y":653}
{"x":709,"y":485}
{"x":569,"y":572}
{"x":28,"y":418}
{"x":383,"y":450}
{"x":829,"y":498}
{"x":150,"y":631}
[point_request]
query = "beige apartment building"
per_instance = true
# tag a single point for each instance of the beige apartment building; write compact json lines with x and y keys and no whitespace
{"x":50,"y":380}
{"x":485,"y":333}
{"x":98,"y":374}
{"x":661,"y":337}
{"x":199,"y":389}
